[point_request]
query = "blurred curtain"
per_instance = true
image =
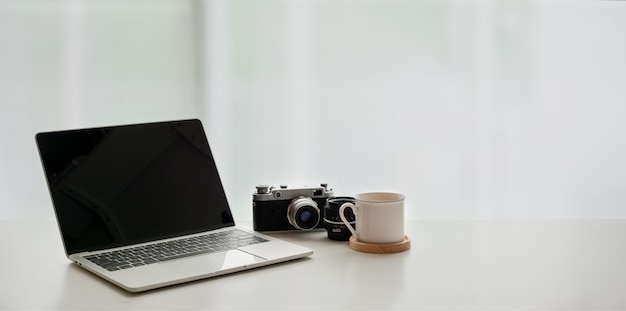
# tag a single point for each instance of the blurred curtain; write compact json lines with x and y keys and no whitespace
{"x":72,"y":63}
{"x":473,"y":109}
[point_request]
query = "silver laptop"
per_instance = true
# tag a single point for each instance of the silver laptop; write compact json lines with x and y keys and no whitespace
{"x":143,"y":206}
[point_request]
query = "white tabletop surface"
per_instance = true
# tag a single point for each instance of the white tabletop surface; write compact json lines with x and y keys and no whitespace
{"x":452,"y":264}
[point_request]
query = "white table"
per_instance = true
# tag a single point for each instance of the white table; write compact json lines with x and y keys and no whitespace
{"x":452,"y":264}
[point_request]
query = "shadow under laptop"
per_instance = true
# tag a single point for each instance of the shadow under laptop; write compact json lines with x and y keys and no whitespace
{"x":79,"y":282}
{"x":82,"y":289}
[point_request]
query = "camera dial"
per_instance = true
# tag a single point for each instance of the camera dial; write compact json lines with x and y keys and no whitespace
{"x":263,"y":189}
{"x":303,"y":213}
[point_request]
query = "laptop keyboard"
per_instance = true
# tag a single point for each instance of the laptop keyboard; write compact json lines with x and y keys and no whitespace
{"x":170,"y":250}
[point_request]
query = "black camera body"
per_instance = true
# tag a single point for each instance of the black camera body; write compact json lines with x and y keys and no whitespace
{"x":289,"y":208}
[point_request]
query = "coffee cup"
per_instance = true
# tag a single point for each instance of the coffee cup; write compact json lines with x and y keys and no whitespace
{"x":379,"y":217}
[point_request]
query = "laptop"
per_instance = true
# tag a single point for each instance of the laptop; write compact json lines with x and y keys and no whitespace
{"x":143,"y":206}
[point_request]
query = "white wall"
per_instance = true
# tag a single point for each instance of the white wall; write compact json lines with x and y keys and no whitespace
{"x":66,"y":64}
{"x":474,"y":109}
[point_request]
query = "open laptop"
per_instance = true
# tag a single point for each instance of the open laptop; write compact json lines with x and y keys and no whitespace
{"x":143,"y":206}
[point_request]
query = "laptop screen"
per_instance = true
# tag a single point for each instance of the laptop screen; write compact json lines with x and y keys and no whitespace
{"x":121,"y":185}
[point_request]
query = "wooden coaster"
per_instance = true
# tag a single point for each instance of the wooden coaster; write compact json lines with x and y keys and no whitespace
{"x":380,"y":248}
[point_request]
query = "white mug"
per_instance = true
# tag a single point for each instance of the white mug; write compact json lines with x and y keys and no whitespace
{"x":379,"y":217}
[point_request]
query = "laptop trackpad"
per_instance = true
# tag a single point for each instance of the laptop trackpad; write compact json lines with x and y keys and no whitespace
{"x":211,"y":263}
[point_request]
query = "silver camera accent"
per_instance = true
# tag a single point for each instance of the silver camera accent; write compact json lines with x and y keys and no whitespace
{"x":284,"y":192}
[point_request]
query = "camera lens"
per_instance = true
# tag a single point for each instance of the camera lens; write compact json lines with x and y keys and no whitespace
{"x":303,"y":213}
{"x":335,"y":227}
{"x":305,"y":216}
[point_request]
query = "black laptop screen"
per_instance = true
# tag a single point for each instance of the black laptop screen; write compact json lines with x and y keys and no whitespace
{"x":120,"y":185}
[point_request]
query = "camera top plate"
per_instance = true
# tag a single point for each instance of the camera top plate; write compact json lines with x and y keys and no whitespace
{"x":266,"y":193}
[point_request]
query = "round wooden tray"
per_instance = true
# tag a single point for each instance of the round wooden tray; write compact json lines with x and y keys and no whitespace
{"x":380,"y":248}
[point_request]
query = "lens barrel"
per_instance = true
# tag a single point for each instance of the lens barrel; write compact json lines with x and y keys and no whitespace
{"x":303,"y":213}
{"x":335,"y":228}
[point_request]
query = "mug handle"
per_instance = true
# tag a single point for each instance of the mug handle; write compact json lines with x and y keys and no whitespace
{"x":343,"y":217}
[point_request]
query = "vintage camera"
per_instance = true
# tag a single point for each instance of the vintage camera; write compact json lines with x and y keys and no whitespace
{"x":289,"y":208}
